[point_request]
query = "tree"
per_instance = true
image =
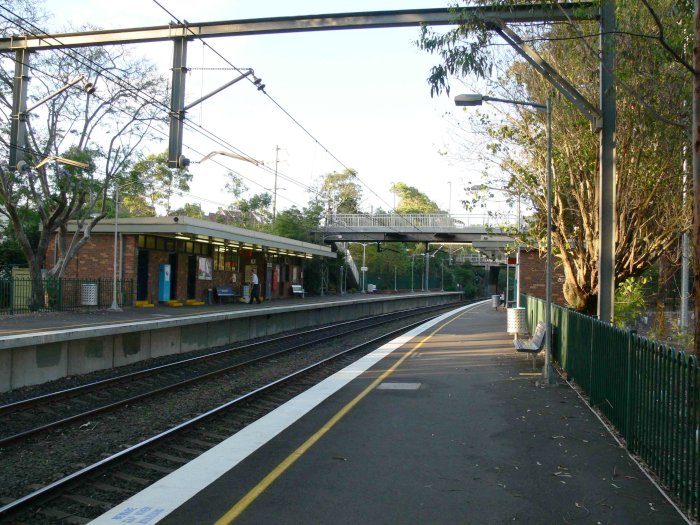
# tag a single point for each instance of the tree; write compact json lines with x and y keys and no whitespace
{"x":150,"y":183}
{"x":341,"y":192}
{"x":256,"y":211}
{"x":412,"y":200}
{"x":74,"y":125}
{"x":190,"y":210}
{"x":650,"y":136}
{"x":294,"y":223}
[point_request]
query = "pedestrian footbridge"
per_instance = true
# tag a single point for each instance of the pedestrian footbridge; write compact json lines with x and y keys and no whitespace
{"x":487,"y":233}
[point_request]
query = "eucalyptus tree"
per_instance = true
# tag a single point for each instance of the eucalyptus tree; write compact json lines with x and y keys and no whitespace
{"x":412,"y":200}
{"x":341,"y":191}
{"x":652,"y":127}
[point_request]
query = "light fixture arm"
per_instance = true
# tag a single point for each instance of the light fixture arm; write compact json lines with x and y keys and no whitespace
{"x":70,"y":84}
{"x":228,"y":154}
{"x":20,"y":110}
{"x":217,"y":90}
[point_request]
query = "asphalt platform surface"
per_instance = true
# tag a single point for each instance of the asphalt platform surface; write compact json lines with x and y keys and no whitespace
{"x":460,"y":432}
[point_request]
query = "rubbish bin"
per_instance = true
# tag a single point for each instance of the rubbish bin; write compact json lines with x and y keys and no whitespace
{"x":210,"y":296}
{"x":89,"y":294}
{"x":495,"y":300}
{"x":515,"y":321}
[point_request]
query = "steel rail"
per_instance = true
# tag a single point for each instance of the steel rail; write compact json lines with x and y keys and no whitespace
{"x":71,"y":392}
{"x":4,"y":441}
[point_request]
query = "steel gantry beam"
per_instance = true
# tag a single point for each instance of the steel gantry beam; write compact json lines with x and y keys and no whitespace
{"x":180,"y":34}
{"x":292,"y":24}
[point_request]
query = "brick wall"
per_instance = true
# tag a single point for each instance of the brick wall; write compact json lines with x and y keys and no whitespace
{"x":96,"y":258}
{"x":533,"y":271}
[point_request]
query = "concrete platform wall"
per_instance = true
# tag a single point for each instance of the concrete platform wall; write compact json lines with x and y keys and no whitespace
{"x":30,"y":359}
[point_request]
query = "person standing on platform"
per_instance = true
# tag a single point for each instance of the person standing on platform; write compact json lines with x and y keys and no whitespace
{"x":255,"y":289}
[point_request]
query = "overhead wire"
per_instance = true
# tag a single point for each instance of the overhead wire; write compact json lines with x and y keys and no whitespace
{"x":191,"y":125}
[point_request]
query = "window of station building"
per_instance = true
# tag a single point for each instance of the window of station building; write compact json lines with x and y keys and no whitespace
{"x":168,"y":244}
{"x":225,"y":259}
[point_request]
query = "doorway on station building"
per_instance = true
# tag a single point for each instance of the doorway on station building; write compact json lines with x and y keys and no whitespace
{"x":172,"y":260}
{"x":142,"y":276}
{"x":191,"y":276}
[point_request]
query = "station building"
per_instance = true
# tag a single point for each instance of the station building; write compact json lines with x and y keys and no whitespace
{"x":181,"y":258}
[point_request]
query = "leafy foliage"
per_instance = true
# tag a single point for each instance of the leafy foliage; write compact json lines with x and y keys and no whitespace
{"x":651,"y":133}
{"x":630,"y":301}
{"x":340,"y":192}
{"x":412,"y":200}
{"x":151,"y":183}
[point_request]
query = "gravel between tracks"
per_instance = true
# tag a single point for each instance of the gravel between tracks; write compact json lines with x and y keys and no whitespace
{"x":51,"y":456}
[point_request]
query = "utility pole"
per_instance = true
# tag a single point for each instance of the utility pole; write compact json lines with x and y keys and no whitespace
{"x":274,"y":191}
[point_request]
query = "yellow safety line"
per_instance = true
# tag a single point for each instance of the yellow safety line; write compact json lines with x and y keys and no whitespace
{"x":101,"y":323}
{"x":268,"y":480}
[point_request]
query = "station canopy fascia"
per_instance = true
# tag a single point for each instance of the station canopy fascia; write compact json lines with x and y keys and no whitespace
{"x":188,"y":228}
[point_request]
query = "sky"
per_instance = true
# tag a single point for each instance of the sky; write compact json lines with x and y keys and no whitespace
{"x":361,"y":94}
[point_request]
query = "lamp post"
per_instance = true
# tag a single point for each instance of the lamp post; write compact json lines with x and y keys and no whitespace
{"x":449,"y":201}
{"x":115,"y":303}
{"x":364,"y":268}
{"x":413,"y":260}
{"x":442,"y":276}
{"x":477,"y":100}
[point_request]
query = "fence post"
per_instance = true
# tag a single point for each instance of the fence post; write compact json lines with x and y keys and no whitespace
{"x":60,"y":293}
{"x":628,"y":390}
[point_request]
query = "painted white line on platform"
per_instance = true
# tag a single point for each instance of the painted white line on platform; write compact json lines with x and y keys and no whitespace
{"x":157,"y":501}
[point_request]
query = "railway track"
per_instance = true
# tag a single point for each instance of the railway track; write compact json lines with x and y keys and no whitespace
{"x":26,"y":418}
{"x":93,"y":489}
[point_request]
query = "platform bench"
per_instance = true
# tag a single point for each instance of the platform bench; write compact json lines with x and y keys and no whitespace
{"x":224,"y":291}
{"x":534,"y":345}
{"x":298,"y":289}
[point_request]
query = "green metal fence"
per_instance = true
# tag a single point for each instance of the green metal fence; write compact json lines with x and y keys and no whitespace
{"x":62,"y":294}
{"x":650,"y":393}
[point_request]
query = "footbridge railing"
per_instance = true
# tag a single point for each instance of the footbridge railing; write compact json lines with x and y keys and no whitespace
{"x":412,"y":221}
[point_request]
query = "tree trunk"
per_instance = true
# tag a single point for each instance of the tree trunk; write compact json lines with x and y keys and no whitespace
{"x":696,"y":174}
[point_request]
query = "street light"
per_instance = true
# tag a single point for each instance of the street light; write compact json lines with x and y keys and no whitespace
{"x":413,"y":259}
{"x":477,"y":100}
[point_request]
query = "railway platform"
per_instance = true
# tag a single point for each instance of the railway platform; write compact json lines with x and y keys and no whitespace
{"x":42,"y":347}
{"x":446,"y":424}
{"x":39,"y":322}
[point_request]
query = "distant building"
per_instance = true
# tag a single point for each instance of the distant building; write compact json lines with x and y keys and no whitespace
{"x":196,"y":254}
